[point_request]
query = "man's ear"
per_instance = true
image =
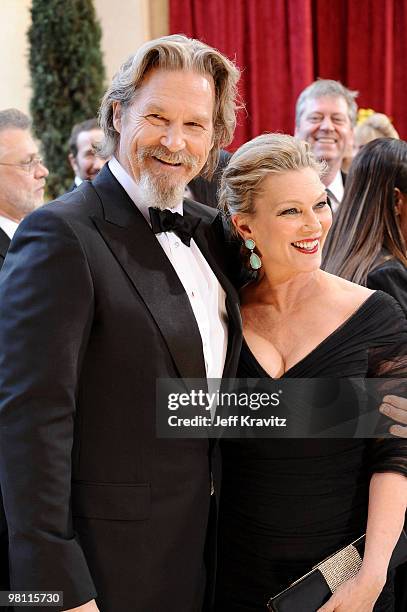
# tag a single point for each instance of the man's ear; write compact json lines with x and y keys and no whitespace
{"x":74,"y":165}
{"x":117,"y":116}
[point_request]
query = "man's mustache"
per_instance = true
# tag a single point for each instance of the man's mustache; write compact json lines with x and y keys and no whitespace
{"x":162,"y":153}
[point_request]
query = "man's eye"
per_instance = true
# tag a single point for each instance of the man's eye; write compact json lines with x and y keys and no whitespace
{"x":193,"y":124}
{"x":156,"y":119}
{"x":315,"y":118}
{"x":321,"y":205}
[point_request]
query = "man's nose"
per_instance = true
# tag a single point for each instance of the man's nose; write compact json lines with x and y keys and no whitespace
{"x":98,"y":163}
{"x":326,"y":123}
{"x":41,"y":171}
{"x":173,"y":139}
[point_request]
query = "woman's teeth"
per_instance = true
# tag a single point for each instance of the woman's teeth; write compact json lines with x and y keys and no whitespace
{"x":308,"y":246}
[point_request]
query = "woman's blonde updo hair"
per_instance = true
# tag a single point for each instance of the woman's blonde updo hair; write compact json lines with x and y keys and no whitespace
{"x":377,"y":125}
{"x":254,"y":161}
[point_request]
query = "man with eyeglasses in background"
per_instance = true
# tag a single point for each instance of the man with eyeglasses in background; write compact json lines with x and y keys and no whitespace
{"x":22,"y":175}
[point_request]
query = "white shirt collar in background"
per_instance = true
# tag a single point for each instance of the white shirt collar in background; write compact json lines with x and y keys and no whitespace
{"x":8,"y":226}
{"x":335,"y":191}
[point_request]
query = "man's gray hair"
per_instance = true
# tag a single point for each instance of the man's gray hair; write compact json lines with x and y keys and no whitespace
{"x":12,"y":118}
{"x":175,"y":52}
{"x":327,"y":87}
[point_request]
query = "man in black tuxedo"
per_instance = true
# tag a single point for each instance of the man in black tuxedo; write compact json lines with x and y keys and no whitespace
{"x":104,"y":291}
{"x":22,"y":174}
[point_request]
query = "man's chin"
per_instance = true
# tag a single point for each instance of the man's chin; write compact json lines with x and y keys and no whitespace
{"x":169,"y":198}
{"x":326,"y":152}
{"x":162,"y":193}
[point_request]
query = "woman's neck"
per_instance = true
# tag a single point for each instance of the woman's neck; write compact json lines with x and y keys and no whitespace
{"x":286,"y":293}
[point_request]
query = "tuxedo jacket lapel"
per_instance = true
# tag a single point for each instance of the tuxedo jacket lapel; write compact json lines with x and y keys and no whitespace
{"x":134,"y":245}
{"x":209,"y":237}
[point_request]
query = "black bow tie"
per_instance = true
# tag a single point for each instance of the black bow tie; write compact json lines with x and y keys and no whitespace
{"x":166,"y":221}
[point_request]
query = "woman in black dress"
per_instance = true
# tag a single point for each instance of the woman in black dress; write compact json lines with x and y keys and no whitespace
{"x":368,"y":241}
{"x":287,"y":504}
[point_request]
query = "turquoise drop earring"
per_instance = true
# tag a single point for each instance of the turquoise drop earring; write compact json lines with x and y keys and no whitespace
{"x":255,"y":261}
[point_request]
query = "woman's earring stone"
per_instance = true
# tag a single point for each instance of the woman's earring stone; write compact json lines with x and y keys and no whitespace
{"x":255,"y":261}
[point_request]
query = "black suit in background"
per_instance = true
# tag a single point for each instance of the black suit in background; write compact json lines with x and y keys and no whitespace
{"x":101,"y":314}
{"x":4,"y":244}
{"x":390,"y":276}
{"x":206,"y":191}
{"x":72,"y":187}
{"x":4,"y":583}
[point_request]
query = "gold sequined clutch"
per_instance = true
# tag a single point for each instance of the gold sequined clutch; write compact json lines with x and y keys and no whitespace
{"x":311,"y":591}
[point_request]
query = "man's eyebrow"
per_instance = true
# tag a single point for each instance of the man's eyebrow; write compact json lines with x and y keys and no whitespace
{"x":31,"y":156}
{"x":201,"y":117}
{"x":154,"y":108}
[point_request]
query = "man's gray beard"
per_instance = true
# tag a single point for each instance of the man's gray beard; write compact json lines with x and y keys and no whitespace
{"x":159,"y":192}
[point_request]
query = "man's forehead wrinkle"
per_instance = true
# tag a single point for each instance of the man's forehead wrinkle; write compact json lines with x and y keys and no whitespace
{"x":153,"y":103}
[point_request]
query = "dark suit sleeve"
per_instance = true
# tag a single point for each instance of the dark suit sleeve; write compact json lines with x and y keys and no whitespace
{"x":391,"y":280}
{"x":46,"y":310}
{"x":206,"y":191}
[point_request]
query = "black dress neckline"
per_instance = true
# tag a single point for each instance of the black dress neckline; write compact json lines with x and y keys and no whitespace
{"x":343,"y":326}
{"x":288,"y":503}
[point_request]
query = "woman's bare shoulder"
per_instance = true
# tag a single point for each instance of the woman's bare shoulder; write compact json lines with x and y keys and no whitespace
{"x":347,"y":292}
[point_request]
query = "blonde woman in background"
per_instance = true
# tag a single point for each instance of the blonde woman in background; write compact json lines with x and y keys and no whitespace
{"x":377,"y":125}
{"x":370,"y":126}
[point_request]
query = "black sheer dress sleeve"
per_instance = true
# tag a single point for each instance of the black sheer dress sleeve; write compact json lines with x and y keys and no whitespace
{"x":388,"y":359}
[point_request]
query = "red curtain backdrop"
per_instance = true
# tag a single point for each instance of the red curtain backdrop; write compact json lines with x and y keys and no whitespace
{"x":281,"y":46}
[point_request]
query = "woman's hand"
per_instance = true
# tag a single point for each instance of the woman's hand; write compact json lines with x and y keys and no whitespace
{"x":356,"y":595}
{"x":395,"y":408}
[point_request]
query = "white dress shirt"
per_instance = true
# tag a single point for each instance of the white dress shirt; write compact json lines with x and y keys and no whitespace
{"x":335,"y":191}
{"x":77,"y":180}
{"x":205,"y":294}
{"x":8,"y":226}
